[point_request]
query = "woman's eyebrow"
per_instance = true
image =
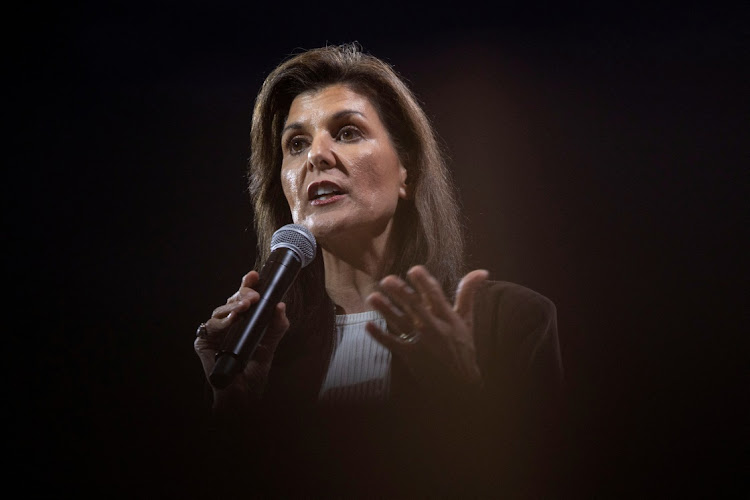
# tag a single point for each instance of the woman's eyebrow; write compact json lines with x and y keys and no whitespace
{"x":336,"y":116}
{"x":293,"y":125}
{"x":346,"y":112}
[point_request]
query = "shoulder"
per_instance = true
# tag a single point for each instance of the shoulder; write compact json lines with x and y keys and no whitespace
{"x":506,"y":301}
{"x":515,"y":330}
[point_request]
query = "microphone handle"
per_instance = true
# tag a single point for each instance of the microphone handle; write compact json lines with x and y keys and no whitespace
{"x":245,"y":334}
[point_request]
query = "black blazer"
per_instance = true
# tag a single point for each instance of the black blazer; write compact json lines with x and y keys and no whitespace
{"x":502,"y":440}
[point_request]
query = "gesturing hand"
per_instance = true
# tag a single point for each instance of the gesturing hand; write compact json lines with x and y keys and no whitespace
{"x":434,"y":338}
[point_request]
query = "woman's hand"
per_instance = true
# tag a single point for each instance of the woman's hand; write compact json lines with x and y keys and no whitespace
{"x":437,"y":338}
{"x":251,"y":382}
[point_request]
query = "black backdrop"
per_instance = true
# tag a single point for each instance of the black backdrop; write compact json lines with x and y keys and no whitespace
{"x":598,"y":153}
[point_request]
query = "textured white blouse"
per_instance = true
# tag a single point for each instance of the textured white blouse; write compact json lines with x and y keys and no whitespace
{"x":360,"y":367}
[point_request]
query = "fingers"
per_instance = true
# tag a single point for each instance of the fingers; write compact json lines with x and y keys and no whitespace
{"x":393,"y":315}
{"x":408,"y":308}
{"x":405,"y":308}
{"x":241,"y":299}
{"x":466,"y":292}
{"x":223,"y":316}
{"x":248,"y":282}
{"x":389,"y":341}
{"x":424,"y":307}
{"x":430,"y":290}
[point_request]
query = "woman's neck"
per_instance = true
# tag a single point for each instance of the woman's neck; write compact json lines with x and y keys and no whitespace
{"x":352,"y":273}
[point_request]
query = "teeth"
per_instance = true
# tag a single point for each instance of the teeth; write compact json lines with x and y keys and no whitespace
{"x":322,"y":190}
{"x":325,"y":191}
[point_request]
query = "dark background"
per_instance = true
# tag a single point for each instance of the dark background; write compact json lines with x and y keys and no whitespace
{"x":598,"y":152}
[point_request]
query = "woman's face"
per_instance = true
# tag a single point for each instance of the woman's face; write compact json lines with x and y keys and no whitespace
{"x":340,"y":173}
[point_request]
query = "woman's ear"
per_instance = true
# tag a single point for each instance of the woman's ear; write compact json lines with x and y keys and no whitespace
{"x":406,"y":189}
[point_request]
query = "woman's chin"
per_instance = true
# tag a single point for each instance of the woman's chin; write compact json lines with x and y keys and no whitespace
{"x":328,"y":230}
{"x":330,"y":233}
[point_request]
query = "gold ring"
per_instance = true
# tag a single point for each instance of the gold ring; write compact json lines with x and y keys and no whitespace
{"x":409,"y":338}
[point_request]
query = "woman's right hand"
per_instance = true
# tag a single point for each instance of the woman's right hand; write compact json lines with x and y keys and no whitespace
{"x":249,"y":384}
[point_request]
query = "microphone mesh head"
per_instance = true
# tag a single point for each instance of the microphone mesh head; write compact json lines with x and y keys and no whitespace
{"x":298,"y":239}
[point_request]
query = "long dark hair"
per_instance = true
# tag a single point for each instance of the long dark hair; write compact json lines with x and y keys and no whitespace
{"x":427,"y":226}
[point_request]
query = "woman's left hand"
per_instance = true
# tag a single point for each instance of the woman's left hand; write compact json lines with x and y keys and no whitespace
{"x":433,"y":337}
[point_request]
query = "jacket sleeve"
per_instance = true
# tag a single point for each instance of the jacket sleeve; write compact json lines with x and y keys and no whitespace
{"x":519,"y":351}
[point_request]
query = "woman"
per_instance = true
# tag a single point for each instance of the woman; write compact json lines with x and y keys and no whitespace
{"x":385,"y":317}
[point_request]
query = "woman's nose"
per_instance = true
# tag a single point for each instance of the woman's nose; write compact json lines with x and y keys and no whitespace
{"x":320,"y":155}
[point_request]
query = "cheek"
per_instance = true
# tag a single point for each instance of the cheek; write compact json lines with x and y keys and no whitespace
{"x":375,"y":171}
{"x":384,"y":175}
{"x":289,"y":184}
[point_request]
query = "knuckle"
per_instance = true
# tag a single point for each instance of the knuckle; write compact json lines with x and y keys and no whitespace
{"x":389,"y":281}
{"x":246,"y":292}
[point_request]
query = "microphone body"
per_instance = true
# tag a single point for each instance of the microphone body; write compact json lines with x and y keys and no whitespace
{"x":276,"y":276}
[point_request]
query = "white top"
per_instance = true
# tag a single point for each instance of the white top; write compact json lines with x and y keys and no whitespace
{"x":360,"y":367}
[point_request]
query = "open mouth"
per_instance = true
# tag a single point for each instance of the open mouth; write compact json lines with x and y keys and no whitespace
{"x":322,"y":191}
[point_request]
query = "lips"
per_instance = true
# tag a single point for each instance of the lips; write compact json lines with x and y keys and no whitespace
{"x":323,"y":191}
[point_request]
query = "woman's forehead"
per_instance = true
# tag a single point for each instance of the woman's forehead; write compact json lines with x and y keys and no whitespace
{"x":328,"y":100}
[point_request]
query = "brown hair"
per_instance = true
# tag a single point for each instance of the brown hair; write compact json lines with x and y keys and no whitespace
{"x":427,"y":226}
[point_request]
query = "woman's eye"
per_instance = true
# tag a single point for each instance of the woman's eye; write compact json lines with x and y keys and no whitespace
{"x":349,"y":133}
{"x":296,"y":145}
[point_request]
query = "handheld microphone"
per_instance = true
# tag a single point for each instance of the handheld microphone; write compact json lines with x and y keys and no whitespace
{"x":292,"y":248}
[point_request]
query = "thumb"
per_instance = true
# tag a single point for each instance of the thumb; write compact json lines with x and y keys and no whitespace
{"x":466,"y":291}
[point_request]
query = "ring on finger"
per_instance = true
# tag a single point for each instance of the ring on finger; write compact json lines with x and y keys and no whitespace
{"x":202,"y":331}
{"x":412,"y":336}
{"x":409,"y":338}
